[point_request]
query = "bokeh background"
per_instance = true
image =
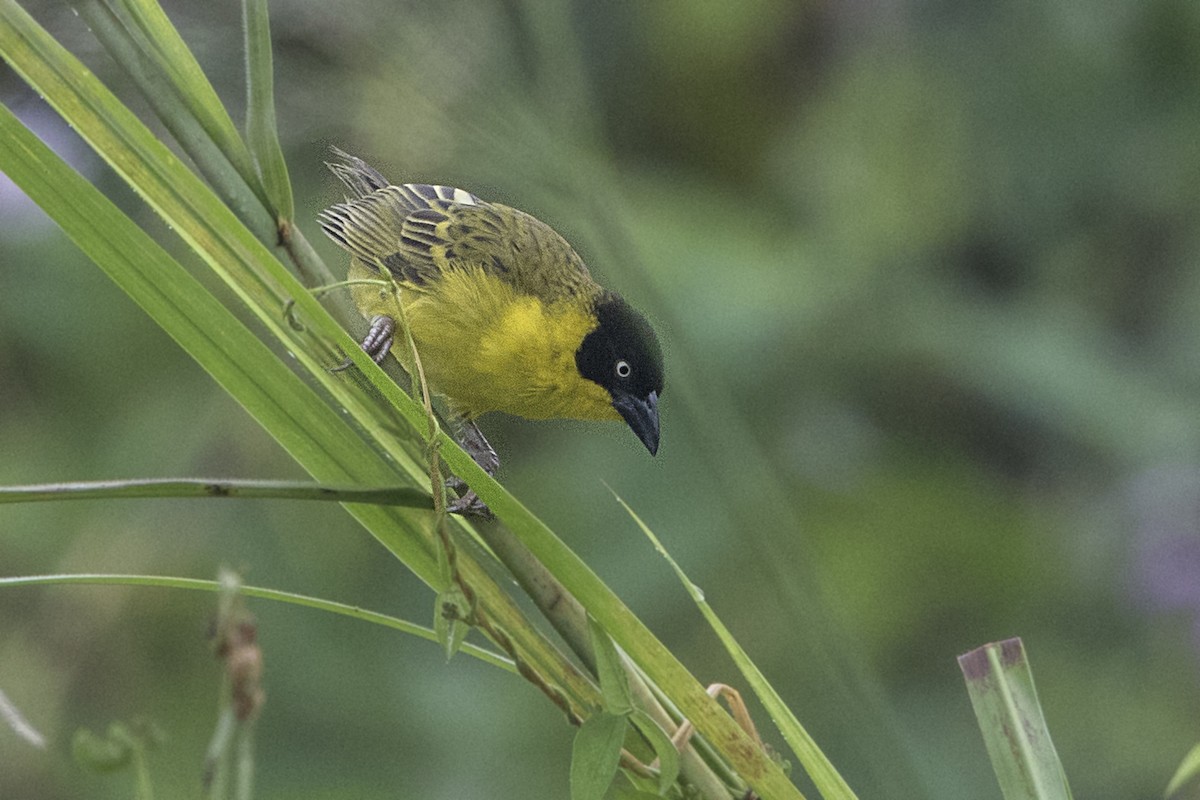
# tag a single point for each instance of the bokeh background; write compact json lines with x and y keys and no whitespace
{"x":928,"y":279}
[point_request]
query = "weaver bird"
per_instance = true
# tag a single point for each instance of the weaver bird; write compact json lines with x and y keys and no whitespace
{"x":503,"y":312}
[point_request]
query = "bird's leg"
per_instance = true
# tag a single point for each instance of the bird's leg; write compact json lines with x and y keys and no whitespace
{"x":471,"y":439}
{"x":377,"y":342}
{"x":474,"y":442}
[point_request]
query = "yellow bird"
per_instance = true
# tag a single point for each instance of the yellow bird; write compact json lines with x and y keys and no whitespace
{"x":503,"y":312}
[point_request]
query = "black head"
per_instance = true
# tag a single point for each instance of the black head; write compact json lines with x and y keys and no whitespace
{"x":623,"y":356}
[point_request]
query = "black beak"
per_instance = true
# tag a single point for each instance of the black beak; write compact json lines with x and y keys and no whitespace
{"x":642,"y":416}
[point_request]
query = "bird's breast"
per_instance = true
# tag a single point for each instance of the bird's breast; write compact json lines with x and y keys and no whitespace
{"x":488,"y":347}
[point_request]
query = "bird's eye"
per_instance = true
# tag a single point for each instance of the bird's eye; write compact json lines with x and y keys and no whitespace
{"x":623,"y":369}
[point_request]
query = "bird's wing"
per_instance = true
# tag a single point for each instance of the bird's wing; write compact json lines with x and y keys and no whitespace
{"x":391,"y":224}
{"x":417,"y":231}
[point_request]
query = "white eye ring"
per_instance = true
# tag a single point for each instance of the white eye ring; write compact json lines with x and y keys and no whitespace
{"x":623,"y":369}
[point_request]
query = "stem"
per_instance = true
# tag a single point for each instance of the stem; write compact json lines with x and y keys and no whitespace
{"x":569,"y":619}
{"x":222,"y":487}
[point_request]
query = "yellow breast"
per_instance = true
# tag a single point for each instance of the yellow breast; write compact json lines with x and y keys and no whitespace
{"x":486,"y":347}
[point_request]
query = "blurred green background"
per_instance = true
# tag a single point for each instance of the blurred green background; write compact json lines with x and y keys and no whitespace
{"x":927,"y":278}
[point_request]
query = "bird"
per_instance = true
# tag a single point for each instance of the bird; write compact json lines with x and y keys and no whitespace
{"x":503,"y":312}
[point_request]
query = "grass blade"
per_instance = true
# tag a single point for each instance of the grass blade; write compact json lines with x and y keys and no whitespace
{"x":664,"y":748}
{"x":127,"y":46}
{"x":163,"y":44}
{"x":824,"y":775}
{"x":276,"y":595}
{"x":17,"y":723}
{"x":222,"y":487}
{"x":261,"y":133}
{"x":169,"y":294}
{"x":1000,"y":684}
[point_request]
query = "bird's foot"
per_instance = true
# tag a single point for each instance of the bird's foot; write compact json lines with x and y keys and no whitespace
{"x":377,"y":342}
{"x":469,"y":505}
{"x":473,"y":441}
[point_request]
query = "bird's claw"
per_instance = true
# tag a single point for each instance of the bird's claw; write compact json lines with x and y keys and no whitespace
{"x":469,"y":505}
{"x":376,"y":343}
{"x":379,"y":338}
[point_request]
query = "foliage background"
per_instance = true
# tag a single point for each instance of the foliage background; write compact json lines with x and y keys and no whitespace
{"x":927,"y":278}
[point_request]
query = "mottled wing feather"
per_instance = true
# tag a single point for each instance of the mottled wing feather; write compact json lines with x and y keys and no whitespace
{"x":520,"y":249}
{"x":368,"y":227}
{"x":393,"y":225}
{"x":420,"y":230}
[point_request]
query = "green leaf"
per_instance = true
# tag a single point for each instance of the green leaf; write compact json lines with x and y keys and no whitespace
{"x":664,"y":748}
{"x":313,"y":432}
{"x":1000,"y":684}
{"x":450,"y":614}
{"x":820,"y":769}
{"x":261,"y":131}
{"x":595,"y":755}
{"x":614,"y":684}
{"x":1188,"y":772}
{"x":275,"y":395}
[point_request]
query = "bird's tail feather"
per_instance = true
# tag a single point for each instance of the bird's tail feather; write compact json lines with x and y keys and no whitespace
{"x":359,"y":177}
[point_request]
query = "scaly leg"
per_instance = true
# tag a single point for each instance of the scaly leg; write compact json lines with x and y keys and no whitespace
{"x":473,"y":441}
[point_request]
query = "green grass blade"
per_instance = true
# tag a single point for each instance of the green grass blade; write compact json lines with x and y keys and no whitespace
{"x":275,"y":595}
{"x":220,"y":487}
{"x":162,"y":42}
{"x":638,"y":642}
{"x":261,"y":132}
{"x":1000,"y":684}
{"x":320,"y":440}
{"x":205,"y":224}
{"x":821,"y":771}
{"x":128,"y":48}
